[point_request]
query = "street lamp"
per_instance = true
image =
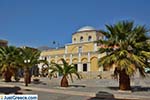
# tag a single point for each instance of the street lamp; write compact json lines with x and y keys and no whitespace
{"x":26,"y":72}
{"x":56,"y":44}
{"x":27,"y":61}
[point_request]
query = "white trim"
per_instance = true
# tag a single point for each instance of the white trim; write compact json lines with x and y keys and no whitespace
{"x":89,"y":56}
{"x":80,"y":42}
{"x":80,"y":67}
{"x":79,"y":57}
{"x":66,"y":48}
{"x":95,"y":46}
{"x":71,"y":59}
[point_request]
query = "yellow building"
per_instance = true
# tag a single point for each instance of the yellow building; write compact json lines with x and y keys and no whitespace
{"x":82,"y":51}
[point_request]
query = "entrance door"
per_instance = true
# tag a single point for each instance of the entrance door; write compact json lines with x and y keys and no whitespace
{"x":85,"y":67}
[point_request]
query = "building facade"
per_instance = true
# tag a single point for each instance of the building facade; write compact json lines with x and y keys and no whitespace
{"x":82,"y":51}
{"x":3,"y":43}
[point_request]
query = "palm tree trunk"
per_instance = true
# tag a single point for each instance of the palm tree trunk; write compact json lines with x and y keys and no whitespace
{"x":124,"y":81}
{"x":64,"y":81}
{"x":7,"y":75}
{"x":26,"y":76}
{"x":29,"y":78}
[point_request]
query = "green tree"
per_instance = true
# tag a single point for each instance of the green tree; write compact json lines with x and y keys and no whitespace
{"x":127,"y":48}
{"x":27,"y":59}
{"x":8,"y":61}
{"x":64,"y":69}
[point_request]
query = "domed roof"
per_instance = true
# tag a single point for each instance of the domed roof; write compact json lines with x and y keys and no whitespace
{"x":86,"y":28}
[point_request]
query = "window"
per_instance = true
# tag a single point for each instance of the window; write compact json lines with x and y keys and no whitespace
{"x":81,"y":38}
{"x":85,"y":67}
{"x":45,"y":58}
{"x":74,"y":39}
{"x":76,"y":66}
{"x":89,"y":38}
{"x":80,"y":49}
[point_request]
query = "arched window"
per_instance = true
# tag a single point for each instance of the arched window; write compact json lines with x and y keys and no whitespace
{"x":81,"y":38}
{"x":89,"y":38}
{"x":80,"y":49}
{"x":84,"y":67}
{"x":74,"y":39}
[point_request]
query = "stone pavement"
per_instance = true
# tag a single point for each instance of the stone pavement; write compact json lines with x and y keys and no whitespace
{"x":83,"y":89}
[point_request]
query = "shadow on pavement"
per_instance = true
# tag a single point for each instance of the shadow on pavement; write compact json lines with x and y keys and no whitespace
{"x":133,"y":88}
{"x":39,"y":82}
{"x":10,"y":90}
{"x":77,"y":86}
{"x":101,"y":95}
{"x":113,"y":88}
{"x":140,"y":89}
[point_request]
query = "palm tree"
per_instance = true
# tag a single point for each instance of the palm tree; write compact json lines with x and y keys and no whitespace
{"x":28,"y":58}
{"x":64,"y":69}
{"x":8,"y":61}
{"x":127,"y":48}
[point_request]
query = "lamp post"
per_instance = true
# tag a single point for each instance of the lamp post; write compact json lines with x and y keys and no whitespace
{"x":26,"y":72}
{"x":56,"y":44}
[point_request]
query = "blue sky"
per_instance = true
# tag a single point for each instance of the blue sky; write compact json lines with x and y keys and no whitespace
{"x":40,"y":22}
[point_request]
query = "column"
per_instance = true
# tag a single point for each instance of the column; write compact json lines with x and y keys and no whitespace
{"x":64,"y":56}
{"x":79,"y":57}
{"x":71,"y":59}
{"x":89,"y":56}
{"x":66,"y":49}
{"x":95,"y":46}
{"x":80,"y":67}
{"x":88,"y":63}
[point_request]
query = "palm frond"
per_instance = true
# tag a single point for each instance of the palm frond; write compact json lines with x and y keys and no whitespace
{"x":133,"y":47}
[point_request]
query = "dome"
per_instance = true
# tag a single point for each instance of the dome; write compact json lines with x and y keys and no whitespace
{"x":86,"y":28}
